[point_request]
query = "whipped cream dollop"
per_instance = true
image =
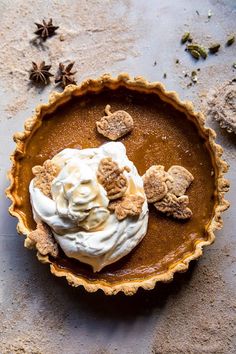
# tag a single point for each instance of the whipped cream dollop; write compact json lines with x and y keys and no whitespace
{"x":78,"y":212}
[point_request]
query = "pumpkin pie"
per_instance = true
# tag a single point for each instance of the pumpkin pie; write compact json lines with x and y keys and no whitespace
{"x":173,"y":208}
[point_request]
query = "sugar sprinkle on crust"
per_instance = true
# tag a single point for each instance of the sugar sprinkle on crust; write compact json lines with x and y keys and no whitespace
{"x":111,"y":177}
{"x":43,"y":240}
{"x":174,"y":206}
{"x":182,"y":179}
{"x":115,"y":125}
{"x":155,"y":183}
{"x":130,"y":205}
{"x":44,"y":175}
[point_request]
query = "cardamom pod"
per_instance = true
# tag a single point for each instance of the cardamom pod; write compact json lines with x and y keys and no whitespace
{"x":193,"y":46}
{"x":202,"y":51}
{"x":195,"y":54}
{"x":230,"y":40}
{"x":185,"y":37}
{"x":214,"y":48}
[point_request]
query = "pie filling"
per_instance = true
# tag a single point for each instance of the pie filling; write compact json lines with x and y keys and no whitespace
{"x":161,"y":137}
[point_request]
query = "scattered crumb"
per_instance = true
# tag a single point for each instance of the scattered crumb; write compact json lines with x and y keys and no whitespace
{"x":209,"y":14}
{"x":62,"y":37}
{"x":13,"y":108}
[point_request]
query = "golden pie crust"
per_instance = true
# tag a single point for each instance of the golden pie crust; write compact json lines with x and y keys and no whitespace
{"x":140,"y":85}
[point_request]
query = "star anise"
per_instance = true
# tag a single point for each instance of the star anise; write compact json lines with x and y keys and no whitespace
{"x":64,"y":75}
{"x":39,"y":73}
{"x":45,"y":29}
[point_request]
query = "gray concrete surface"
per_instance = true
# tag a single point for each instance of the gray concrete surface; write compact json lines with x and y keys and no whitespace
{"x":42,"y":314}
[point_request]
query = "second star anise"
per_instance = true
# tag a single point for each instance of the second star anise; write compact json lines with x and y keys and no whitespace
{"x":40,"y":73}
{"x":64,"y":75}
{"x":45,"y":29}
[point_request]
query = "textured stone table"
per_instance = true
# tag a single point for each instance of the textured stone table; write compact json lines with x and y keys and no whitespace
{"x":39,"y":313}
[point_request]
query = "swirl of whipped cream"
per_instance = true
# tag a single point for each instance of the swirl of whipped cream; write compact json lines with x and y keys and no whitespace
{"x":77,"y":213}
{"x":79,"y":196}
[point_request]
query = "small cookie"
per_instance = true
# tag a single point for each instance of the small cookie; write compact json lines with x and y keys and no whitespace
{"x":115,"y":125}
{"x":155,"y":183}
{"x":182,"y":179}
{"x":174,"y":206}
{"x":44,"y":175}
{"x":127,"y":206}
{"x":111,"y":177}
{"x":43,"y":240}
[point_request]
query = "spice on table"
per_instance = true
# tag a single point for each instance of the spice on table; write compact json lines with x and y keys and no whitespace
{"x":194,"y":77}
{"x":190,"y":39}
{"x":40,"y":73}
{"x":165,"y":75}
{"x":65,"y":76}
{"x":234,"y":65}
{"x":230,"y":40}
{"x":209,"y":14}
{"x":62,"y":38}
{"x":202,"y":52}
{"x":214,"y":48}
{"x":185,"y":37}
{"x":196,"y":47}
{"x":192,"y":46}
{"x":45,"y":29}
{"x":195,"y":54}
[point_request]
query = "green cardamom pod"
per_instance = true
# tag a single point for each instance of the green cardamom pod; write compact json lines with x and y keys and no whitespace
{"x":230,"y":40}
{"x":185,"y":37}
{"x":195,"y":54}
{"x":214,"y":48}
